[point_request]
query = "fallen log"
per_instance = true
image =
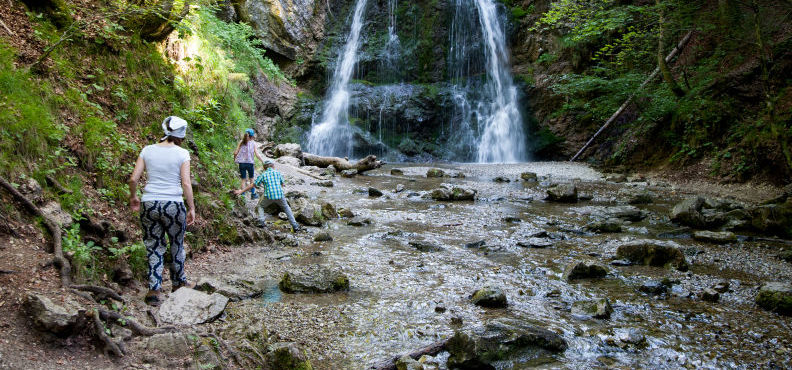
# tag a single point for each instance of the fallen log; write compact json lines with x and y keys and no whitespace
{"x":430,"y":350}
{"x":342,"y":164}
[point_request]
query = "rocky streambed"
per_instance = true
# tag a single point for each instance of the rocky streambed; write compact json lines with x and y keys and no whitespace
{"x":587,"y":279}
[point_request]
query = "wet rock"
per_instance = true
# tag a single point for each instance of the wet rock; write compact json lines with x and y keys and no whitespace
{"x":458,"y":175}
{"x":499,"y":340}
{"x":289,"y":149}
{"x":721,"y":237}
{"x":653,"y":288}
{"x":529,"y":177}
{"x":632,"y":336}
{"x":329,"y":171}
{"x":786,"y":255}
{"x":322,"y":237}
{"x":584,"y":270}
{"x":290,"y":161}
{"x":535,"y":243}
{"x":611,"y":225}
{"x":773,"y":218}
{"x":688,"y":212}
{"x":501,"y":179}
{"x":189,"y":307}
{"x":59,"y":317}
{"x":721,"y":287}
{"x":616,"y":177}
{"x":324,"y":184}
{"x":621,"y":263}
{"x":345,"y":213}
{"x":776,"y":297}
{"x":680,"y":292}
{"x":169,"y":344}
{"x":435,"y":172}
{"x":453,"y":194}
{"x":329,"y":211}
{"x":307,"y":212}
{"x":598,"y":309}
{"x":489,"y":297}
{"x":359,"y":222}
{"x":710,"y":295}
{"x":373,"y":192}
{"x":408,"y":363}
{"x":399,"y":188}
{"x":288,"y":356}
{"x":53,"y":211}
{"x":627,"y":213}
{"x":397,"y":172}
{"x":233,"y":287}
{"x":477,"y":244}
{"x":349,"y":173}
{"x":512,"y":220}
{"x":562,"y":193}
{"x":425,"y":246}
{"x":653,"y":253}
{"x":315,"y":279}
{"x":640,"y":197}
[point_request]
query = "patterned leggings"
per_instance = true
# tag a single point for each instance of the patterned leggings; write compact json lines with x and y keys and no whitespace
{"x":159,"y":218}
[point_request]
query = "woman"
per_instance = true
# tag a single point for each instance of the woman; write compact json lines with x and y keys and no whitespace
{"x":164,"y":213}
{"x":244,"y":156}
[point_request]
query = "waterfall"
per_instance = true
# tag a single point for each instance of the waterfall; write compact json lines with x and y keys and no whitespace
{"x":489,"y":119}
{"x":333,"y":134}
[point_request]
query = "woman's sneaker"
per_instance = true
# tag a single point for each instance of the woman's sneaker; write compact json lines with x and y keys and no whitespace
{"x":154,"y":298}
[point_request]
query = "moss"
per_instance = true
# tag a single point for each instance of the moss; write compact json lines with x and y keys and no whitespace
{"x":778,"y":302}
{"x":341,"y":283}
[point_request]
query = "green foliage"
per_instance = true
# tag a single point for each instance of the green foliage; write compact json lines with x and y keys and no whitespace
{"x":546,"y":58}
{"x":83,"y":254}
{"x":518,"y":12}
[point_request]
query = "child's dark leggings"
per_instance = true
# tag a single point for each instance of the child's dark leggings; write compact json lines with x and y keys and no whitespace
{"x":159,"y":218}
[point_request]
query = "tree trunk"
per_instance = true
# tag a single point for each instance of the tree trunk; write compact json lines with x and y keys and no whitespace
{"x":341,"y":164}
{"x":661,"y":62}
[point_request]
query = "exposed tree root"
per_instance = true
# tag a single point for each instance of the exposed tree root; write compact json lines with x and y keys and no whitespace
{"x":100,"y":291}
{"x":342,"y":164}
{"x":431,"y":350}
{"x":136,"y":327}
{"x":110,"y":347}
{"x":57,"y":185}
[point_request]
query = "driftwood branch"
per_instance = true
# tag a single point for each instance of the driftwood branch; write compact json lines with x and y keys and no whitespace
{"x":342,"y":164}
{"x":430,"y":350}
{"x":629,"y":100}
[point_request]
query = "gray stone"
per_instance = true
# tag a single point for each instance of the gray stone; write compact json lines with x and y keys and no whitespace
{"x":349,"y":173}
{"x":399,"y":188}
{"x":189,"y":307}
{"x":535,"y":243}
{"x":489,"y":297}
{"x":359,"y":222}
{"x":53,"y":211}
{"x":408,"y":363}
{"x":776,"y":297}
{"x":499,"y":340}
{"x":716,"y":237}
{"x":329,"y":211}
{"x":325,"y":184}
{"x":598,"y":309}
{"x":501,"y":179}
{"x":453,"y":194}
{"x":290,"y":161}
{"x":688,"y":212}
{"x":653,"y":288}
{"x":529,"y":177}
{"x":314,"y":279}
{"x":627,"y":213}
{"x":397,"y":172}
{"x":616,"y":177}
{"x":307,"y":212}
{"x":477,"y":244}
{"x":169,"y":344}
{"x":345,"y":213}
{"x":233,"y":287}
{"x":583,"y":270}
{"x":288,"y":150}
{"x":611,"y":225}
{"x":562,"y":193}
{"x":288,"y":356}
{"x":58,"y":318}
{"x":322,"y":237}
{"x":435,"y":172}
{"x":653,"y":253}
{"x":710,"y":295}
{"x":425,"y":246}
{"x":373,"y":192}
{"x":31,"y":189}
{"x":721,"y":287}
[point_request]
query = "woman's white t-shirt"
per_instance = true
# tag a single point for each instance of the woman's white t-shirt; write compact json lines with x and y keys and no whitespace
{"x":163,"y":166}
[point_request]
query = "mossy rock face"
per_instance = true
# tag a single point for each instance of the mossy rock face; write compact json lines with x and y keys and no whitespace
{"x":583,"y":270}
{"x":314,"y":280}
{"x":776,"y":297}
{"x":288,"y":356}
{"x":435,"y":172}
{"x":489,"y":297}
{"x":653,"y":253}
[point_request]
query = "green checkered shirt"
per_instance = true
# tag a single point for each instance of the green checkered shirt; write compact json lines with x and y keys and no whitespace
{"x":272,"y":183}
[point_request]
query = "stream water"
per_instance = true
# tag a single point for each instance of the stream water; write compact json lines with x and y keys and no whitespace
{"x":402,"y":299}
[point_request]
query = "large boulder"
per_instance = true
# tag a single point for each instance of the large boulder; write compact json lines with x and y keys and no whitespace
{"x":189,"y":307}
{"x":455,"y":193}
{"x":307,"y":212}
{"x":562,"y":193}
{"x":611,"y":225}
{"x":233,"y":287}
{"x":717,"y":237}
{"x":58,"y":318}
{"x":288,"y":150}
{"x":169,"y":344}
{"x":288,"y":356}
{"x":776,"y":297}
{"x":31,"y":189}
{"x":598,"y":309}
{"x":688,"y":212}
{"x":773,"y":218}
{"x":489,"y":297}
{"x":500,"y":340}
{"x":627,"y":213}
{"x":316,"y":279}
{"x":653,"y":253}
{"x":583,"y":270}
{"x":435,"y":172}
{"x":53,"y":211}
{"x":289,"y":160}
{"x":425,"y":246}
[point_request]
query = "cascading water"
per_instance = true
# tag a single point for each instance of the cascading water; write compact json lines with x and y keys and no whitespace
{"x":333,"y":134}
{"x":488,"y":125}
